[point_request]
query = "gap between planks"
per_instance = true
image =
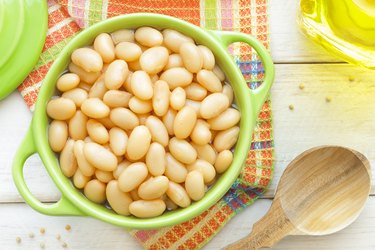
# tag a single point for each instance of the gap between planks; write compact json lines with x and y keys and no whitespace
{"x":268,"y":195}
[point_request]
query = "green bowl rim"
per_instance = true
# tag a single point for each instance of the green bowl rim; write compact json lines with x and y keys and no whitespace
{"x":242,"y":95}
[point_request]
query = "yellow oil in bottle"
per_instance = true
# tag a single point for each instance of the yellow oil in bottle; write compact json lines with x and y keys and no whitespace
{"x":344,"y":27}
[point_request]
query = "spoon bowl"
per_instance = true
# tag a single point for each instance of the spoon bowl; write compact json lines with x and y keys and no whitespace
{"x":321,"y":191}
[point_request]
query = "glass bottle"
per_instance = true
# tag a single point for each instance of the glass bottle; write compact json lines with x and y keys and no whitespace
{"x":344,"y":27}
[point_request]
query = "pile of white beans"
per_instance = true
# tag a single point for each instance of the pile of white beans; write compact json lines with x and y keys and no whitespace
{"x":144,"y":122}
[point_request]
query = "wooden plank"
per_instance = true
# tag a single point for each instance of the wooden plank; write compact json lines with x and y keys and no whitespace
{"x":347,"y":106}
{"x":348,"y":120}
{"x":88,"y":233}
{"x":288,"y":44}
{"x":19,"y":220}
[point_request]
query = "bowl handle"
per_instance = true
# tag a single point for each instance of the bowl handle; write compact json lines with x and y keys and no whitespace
{"x":258,"y":96}
{"x":61,"y":207}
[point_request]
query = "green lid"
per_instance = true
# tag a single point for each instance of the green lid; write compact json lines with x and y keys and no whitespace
{"x":23,"y":27}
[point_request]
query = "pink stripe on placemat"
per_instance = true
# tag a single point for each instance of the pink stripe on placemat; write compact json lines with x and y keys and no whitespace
{"x":78,"y":11}
{"x":226,"y":15}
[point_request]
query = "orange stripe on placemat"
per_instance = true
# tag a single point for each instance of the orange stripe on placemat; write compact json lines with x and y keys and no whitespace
{"x":56,"y":17}
{"x":177,"y":237}
{"x":31,"y":97}
{"x":245,"y":16}
{"x":35,"y":76}
{"x":59,"y":35}
{"x":187,"y":10}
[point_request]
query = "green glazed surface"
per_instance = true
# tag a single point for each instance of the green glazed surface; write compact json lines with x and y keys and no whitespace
{"x":72,"y":201}
{"x":23,"y":28}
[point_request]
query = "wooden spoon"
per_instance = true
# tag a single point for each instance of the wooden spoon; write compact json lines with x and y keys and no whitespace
{"x":321,"y":192}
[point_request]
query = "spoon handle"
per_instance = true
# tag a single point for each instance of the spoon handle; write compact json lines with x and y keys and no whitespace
{"x":267,"y":231}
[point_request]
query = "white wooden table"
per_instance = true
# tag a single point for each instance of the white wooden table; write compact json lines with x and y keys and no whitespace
{"x":348,"y":120}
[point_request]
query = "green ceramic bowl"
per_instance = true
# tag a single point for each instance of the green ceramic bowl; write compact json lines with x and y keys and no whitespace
{"x":72,"y":202}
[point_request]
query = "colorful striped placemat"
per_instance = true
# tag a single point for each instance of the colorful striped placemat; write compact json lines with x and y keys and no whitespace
{"x":67,"y":17}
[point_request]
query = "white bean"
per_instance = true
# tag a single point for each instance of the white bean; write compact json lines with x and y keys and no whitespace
{"x":154,"y":59}
{"x":194,"y":185}
{"x":207,"y":170}
{"x":97,"y":132}
{"x":116,"y":98}
{"x":226,"y":139}
{"x":141,"y":85}
{"x":195,"y":92}
{"x":148,"y":36}
{"x":132,"y":176}
{"x":177,"y":77}
{"x":184,"y":122}
{"x":228,"y":91}
{"x":95,"y":108}
{"x":83,"y":165}
{"x":120,"y":167}
{"x":174,"y":39}
{"x":118,"y":200}
{"x":209,"y":80}
{"x":147,"y":209}
{"x":225,"y":120}
{"x":88,"y":59}
{"x":178,"y":194}
{"x":175,"y":170}
{"x":140,"y":106}
{"x":100,"y":157}
{"x":195,"y":105}
{"x":61,"y":108}
{"x":103,"y":44}
{"x":213,"y":105}
{"x":127,"y":84}
{"x":128,"y":52}
{"x":155,"y":159}
{"x":118,"y":141}
{"x":224,"y":159}
{"x":158,"y":130}
{"x":124,"y":118}
{"x":153,"y":188}
{"x":77,"y":126}
{"x":168,"y":120}
{"x":58,"y":135}
{"x":191,"y":57}
{"x":123,"y":35}
{"x":205,"y":152}
{"x":201,"y":133}
{"x":138,"y":143}
{"x":208,"y":57}
{"x":160,"y":99}
{"x":77,"y":95}
{"x":95,"y":191}
{"x":178,"y":98}
{"x":116,"y":74}
{"x":80,"y":180}
{"x":104,"y":176}
{"x":219,"y":73}
{"x":67,"y":82}
{"x":88,"y":77}
{"x":174,"y":61}
{"x":98,"y":89}
{"x":182,"y":150}
{"x":68,"y":162}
